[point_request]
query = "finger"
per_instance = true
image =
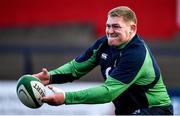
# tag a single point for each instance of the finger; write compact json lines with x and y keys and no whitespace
{"x":45,"y":99}
{"x":54,"y":89}
{"x":45,"y":71}
{"x":50,"y":100}
{"x":50,"y":87}
{"x":36,"y":75}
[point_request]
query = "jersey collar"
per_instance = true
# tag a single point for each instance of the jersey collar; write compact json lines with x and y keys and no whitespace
{"x":123,"y":45}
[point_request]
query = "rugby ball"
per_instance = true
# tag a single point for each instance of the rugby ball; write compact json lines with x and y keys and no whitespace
{"x":30,"y":90}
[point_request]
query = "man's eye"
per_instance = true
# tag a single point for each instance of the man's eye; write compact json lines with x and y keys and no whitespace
{"x":116,"y":26}
{"x":108,"y":26}
{"x":113,"y":26}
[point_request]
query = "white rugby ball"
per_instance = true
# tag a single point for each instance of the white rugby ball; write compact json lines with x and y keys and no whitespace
{"x":30,"y":90}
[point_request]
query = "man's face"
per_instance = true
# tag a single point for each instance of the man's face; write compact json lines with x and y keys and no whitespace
{"x":117,"y":31}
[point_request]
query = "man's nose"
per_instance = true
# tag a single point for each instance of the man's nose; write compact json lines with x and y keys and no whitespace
{"x":110,"y":30}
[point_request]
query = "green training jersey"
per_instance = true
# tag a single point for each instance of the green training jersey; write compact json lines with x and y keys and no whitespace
{"x":132,"y":76}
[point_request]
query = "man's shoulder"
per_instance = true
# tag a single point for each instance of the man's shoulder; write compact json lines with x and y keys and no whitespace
{"x":136,"y":44}
{"x":136,"y":50}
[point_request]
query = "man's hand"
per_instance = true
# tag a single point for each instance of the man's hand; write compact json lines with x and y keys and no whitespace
{"x":43,"y":76}
{"x":56,"y":99}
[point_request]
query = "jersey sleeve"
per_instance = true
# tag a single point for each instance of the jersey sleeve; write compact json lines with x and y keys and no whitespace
{"x":101,"y":94}
{"x":78,"y":67}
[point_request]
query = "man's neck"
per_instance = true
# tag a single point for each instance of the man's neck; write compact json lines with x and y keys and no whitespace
{"x":125,"y":43}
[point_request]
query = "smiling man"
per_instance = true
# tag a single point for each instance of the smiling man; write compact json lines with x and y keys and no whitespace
{"x":133,"y":81}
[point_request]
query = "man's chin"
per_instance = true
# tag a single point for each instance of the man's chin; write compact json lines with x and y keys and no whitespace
{"x":111,"y":43}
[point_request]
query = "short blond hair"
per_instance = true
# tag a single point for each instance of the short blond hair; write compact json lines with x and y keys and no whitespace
{"x":125,"y":12}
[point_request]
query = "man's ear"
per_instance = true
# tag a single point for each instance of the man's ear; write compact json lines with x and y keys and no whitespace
{"x":133,"y":28}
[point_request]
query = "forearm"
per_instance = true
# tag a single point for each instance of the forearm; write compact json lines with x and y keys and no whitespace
{"x":70,"y":71}
{"x":62,"y":74}
{"x":100,"y":94}
{"x":88,"y":96}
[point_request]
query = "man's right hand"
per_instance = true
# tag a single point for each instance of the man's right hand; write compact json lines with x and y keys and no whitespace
{"x":43,"y":76}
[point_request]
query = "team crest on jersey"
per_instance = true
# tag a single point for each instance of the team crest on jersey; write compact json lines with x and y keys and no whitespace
{"x":104,"y":56}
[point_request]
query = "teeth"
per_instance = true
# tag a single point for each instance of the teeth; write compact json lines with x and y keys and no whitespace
{"x":113,"y":35}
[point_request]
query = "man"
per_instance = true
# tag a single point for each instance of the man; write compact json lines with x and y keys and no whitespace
{"x":133,"y":81}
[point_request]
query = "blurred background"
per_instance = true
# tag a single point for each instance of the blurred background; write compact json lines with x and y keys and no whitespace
{"x":48,"y":33}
